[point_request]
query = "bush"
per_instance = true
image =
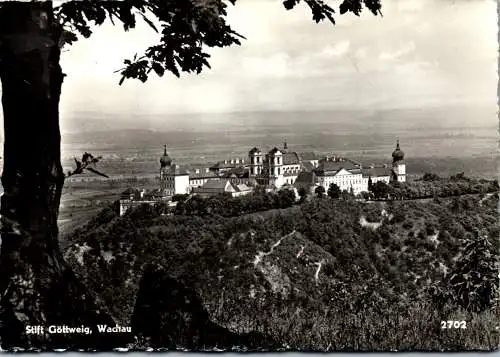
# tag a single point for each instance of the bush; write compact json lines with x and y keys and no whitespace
{"x":474,"y":283}
{"x":179,"y":197}
{"x":408,"y":225}
{"x":430,"y":229}
{"x":227,"y":206}
{"x":319,"y":191}
{"x":399,"y":216}
{"x":334,"y":191}
{"x":430,"y":177}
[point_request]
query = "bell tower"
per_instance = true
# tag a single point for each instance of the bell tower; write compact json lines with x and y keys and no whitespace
{"x":165,"y":166}
{"x":256,"y":161}
{"x":398,"y":164}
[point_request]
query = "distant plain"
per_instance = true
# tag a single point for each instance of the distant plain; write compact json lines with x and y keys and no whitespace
{"x":445,"y":141}
{"x":441,"y":140}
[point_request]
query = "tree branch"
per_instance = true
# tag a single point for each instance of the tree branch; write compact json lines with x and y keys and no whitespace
{"x":187,"y":26}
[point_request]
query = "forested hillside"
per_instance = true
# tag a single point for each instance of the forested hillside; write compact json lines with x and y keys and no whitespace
{"x":325,"y":274}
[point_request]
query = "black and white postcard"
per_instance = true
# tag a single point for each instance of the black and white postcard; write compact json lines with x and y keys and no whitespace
{"x":249,"y":175}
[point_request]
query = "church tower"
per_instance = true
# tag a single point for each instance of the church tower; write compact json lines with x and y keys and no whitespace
{"x":276,"y":167}
{"x":256,"y":162}
{"x":165,"y":168}
{"x":398,"y":165}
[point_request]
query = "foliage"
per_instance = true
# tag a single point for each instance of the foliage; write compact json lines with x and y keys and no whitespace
{"x":302,"y":194}
{"x":319,"y":191}
{"x":334,"y":191}
{"x":88,"y":162}
{"x":347,"y":194}
{"x":429,"y":176}
{"x":184,"y":27}
{"x":380,"y":189}
{"x":443,"y":188}
{"x":227,"y":206}
{"x":474,"y":283}
{"x":432,"y":187}
{"x":369,"y":275}
{"x":459,"y":177}
{"x":179,"y":197}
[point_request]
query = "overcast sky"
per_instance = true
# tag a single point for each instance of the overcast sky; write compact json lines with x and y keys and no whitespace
{"x":421,"y":53}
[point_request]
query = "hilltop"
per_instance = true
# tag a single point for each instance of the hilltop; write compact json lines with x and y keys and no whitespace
{"x":326,"y":274}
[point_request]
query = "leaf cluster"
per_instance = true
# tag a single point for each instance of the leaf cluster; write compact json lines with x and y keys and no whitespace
{"x":185,"y":28}
{"x":88,"y":162}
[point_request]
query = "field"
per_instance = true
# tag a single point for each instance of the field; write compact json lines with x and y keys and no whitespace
{"x":443,"y":140}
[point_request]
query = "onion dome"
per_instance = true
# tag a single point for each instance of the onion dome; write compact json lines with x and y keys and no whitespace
{"x":165,"y":160}
{"x":275,"y":150}
{"x":398,"y":154}
{"x":253,"y":151}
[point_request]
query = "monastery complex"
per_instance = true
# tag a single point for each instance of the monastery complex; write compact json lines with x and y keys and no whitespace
{"x":277,"y":169}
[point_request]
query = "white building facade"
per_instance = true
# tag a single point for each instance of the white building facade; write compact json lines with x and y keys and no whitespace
{"x":353,"y":177}
{"x":278,"y":167}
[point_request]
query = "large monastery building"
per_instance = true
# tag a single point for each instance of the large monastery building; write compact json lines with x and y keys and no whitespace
{"x":280,"y":167}
{"x":356,"y":178}
{"x":276,"y":169}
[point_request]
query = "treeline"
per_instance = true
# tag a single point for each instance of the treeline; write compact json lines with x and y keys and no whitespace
{"x":430,"y":186}
{"x":227,"y":206}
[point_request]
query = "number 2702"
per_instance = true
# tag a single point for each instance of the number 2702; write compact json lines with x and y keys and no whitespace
{"x":453,"y":324}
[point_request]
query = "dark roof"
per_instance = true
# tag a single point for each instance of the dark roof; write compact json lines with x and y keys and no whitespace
{"x":274,"y":151}
{"x":153,"y":194}
{"x":309,"y":156}
{"x":165,"y":160}
{"x":135,"y":194}
{"x":191,"y":170}
{"x":222,"y":165}
{"x":307,"y":166}
{"x":129,"y":191}
{"x":335,"y":166}
{"x":242,"y":187}
{"x":202,"y":175}
{"x":178,"y":170}
{"x":227,"y":165}
{"x":375,"y":171}
{"x":290,"y":158}
{"x":305,"y":177}
{"x":398,"y":154}
{"x":356,"y":163}
{"x":240,"y":172}
{"x":203,"y":165}
{"x":214,"y":184}
{"x":254,"y":150}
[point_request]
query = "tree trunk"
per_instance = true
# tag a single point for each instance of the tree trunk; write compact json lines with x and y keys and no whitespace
{"x":34,"y":280}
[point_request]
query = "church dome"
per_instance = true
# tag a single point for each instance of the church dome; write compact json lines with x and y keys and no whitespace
{"x":398,"y":154}
{"x":165,"y":160}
